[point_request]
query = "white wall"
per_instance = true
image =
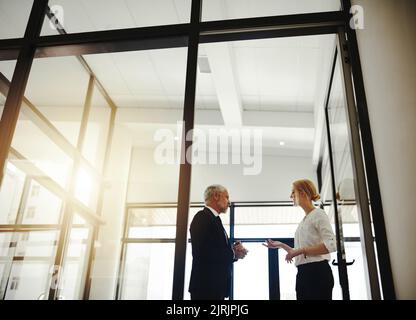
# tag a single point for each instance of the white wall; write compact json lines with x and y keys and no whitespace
{"x":106,"y":262}
{"x":387,"y":47}
{"x":151,"y":182}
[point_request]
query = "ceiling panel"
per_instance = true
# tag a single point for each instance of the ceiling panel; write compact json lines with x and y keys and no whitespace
{"x":281,"y":72}
{"x":152,"y":78}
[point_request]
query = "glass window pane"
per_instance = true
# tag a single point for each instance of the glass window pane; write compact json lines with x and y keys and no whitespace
{"x":267,"y":222}
{"x":41,"y":152}
{"x":5,"y":240}
{"x":2,"y":269}
{"x":76,"y":260}
{"x":6,"y":74}
{"x":345,"y":191}
{"x":57,"y":87}
{"x":356,"y":276}
{"x":14,"y":16}
{"x":97,"y":15}
{"x":152,"y":223}
{"x":10,"y":194}
{"x":148,"y":271}
{"x":287,"y":278}
{"x":36,"y":243}
{"x":148,"y":89}
{"x":234,"y":9}
{"x":95,"y":141}
{"x":255,"y":263}
{"x":28,"y":259}
{"x":42,"y":206}
{"x":29,"y":280}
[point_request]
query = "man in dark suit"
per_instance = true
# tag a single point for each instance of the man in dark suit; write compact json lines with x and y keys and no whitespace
{"x":212,"y":252}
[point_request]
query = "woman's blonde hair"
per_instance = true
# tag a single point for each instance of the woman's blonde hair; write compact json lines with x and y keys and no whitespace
{"x":308,"y":187}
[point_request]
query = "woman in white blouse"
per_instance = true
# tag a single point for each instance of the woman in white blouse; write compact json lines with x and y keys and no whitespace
{"x":314,"y":240}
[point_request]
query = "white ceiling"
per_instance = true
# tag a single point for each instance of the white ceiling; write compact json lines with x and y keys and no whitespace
{"x":273,"y":75}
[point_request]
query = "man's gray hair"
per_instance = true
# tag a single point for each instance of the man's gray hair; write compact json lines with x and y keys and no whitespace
{"x":213,"y":189}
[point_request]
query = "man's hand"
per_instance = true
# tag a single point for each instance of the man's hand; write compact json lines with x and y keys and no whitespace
{"x":239,"y":251}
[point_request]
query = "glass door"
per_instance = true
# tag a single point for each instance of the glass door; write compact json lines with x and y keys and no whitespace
{"x":344,"y":186}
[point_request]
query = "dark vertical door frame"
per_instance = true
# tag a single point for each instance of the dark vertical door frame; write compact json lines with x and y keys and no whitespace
{"x":184,"y":189}
{"x":232,"y":224}
{"x":360,"y":185}
{"x":274,"y":276}
{"x":19,"y":81}
{"x":384,"y":263}
{"x":342,"y":264}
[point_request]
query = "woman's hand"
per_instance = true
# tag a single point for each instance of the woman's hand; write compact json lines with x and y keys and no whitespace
{"x":293,"y":253}
{"x":273,"y":244}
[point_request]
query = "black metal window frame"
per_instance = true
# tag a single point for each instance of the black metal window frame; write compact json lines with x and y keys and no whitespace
{"x":32,"y":45}
{"x":14,"y":93}
{"x":273,"y":255}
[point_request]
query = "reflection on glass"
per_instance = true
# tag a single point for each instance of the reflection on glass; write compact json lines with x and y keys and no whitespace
{"x":234,"y":9}
{"x":42,"y":206}
{"x":28,"y":263}
{"x":251,"y":274}
{"x":14,"y":16}
{"x":10,"y":193}
{"x":76,"y":260}
{"x":148,"y":271}
{"x":97,"y":15}
{"x":29,"y":280}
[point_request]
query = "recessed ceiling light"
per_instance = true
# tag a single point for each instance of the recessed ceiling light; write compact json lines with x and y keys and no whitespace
{"x":282,"y":143}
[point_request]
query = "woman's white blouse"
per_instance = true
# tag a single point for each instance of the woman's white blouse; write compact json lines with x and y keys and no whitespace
{"x":312,"y":230}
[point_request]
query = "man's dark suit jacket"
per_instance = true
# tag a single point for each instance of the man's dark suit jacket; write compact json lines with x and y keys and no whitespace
{"x":212,"y":258}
